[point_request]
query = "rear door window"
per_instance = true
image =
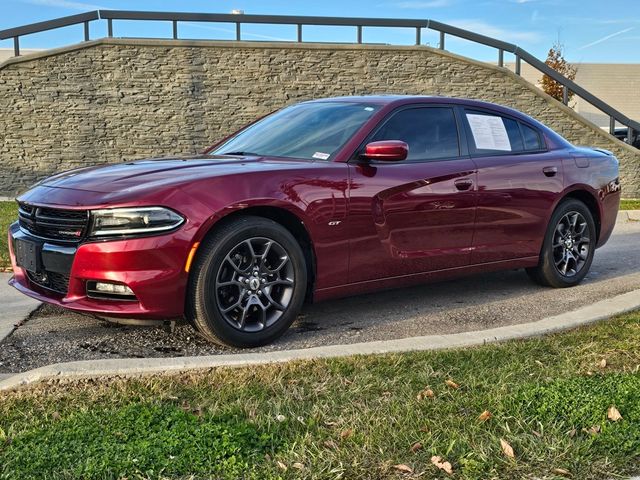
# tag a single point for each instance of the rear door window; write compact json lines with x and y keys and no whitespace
{"x":494,"y":134}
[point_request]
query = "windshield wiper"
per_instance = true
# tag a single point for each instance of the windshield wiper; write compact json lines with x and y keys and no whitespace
{"x":241,"y":153}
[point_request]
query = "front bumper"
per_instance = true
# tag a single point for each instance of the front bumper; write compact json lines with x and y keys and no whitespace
{"x":153,"y":267}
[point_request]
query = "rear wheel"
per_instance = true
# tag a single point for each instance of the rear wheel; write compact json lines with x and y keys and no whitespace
{"x":247,"y":284}
{"x":568,"y":247}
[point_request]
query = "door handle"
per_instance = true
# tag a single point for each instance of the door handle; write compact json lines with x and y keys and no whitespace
{"x":463,"y":184}
{"x":550,"y":171}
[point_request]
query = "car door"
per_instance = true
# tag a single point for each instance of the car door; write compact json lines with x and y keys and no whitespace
{"x":415,"y":215}
{"x":518,"y":183}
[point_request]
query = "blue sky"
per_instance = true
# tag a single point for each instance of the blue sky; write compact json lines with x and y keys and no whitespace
{"x":590,"y":30}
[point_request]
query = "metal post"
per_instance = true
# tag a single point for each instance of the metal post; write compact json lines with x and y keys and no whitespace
{"x":565,"y":94}
{"x":418,"y":39}
{"x":109,"y":27}
{"x":16,"y":46}
{"x":359,"y":33}
{"x":501,"y":57}
{"x":299,"y":32}
{"x":175,"y":29}
{"x":612,"y":125}
{"x":517,"y":64}
{"x":86,"y":31}
{"x":630,"y":135}
{"x":441,"y":40}
{"x":238,"y":32}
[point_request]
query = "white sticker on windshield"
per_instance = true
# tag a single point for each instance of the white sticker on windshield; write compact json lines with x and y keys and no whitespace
{"x":368,"y":109}
{"x":489,"y":132}
{"x":321,"y":156}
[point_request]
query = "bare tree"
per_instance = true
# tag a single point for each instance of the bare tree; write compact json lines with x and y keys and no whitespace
{"x":556,"y":60}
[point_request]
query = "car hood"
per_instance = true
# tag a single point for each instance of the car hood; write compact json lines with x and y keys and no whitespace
{"x":160,"y":172}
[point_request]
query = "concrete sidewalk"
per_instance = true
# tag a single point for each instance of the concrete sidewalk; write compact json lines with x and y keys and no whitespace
{"x":14,"y":306}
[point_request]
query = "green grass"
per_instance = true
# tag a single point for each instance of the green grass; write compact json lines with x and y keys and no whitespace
{"x":630,"y":205}
{"x":347,"y":418}
{"x":8,"y":215}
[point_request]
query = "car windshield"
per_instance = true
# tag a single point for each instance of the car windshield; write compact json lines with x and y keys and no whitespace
{"x":313,"y":131}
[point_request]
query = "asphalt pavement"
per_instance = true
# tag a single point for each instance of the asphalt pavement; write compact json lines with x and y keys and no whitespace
{"x":468,"y":304}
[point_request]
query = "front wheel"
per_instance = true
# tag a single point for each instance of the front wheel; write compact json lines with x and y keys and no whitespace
{"x":568,"y":247}
{"x":247,"y":284}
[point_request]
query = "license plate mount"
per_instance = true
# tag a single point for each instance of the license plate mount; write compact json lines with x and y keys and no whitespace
{"x":28,"y":255}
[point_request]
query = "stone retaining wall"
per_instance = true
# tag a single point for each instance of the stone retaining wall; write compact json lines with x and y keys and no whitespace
{"x":112,"y":100}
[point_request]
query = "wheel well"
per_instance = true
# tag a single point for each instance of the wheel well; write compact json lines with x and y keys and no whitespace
{"x":293,"y":224}
{"x":591,"y":203}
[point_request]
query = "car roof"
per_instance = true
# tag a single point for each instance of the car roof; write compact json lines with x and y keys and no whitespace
{"x":397,"y":100}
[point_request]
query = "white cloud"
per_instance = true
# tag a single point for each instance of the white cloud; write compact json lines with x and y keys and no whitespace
{"x":534,"y":16}
{"x":484,"y":28}
{"x":64,"y":4}
{"x":422,"y":4}
{"x":605,"y":38}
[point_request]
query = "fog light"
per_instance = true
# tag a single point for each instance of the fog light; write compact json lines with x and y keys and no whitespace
{"x":116,"y":288}
{"x":116,"y":291}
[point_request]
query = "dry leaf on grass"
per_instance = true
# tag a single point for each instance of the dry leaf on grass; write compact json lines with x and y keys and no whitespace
{"x":401,"y":467}
{"x":593,"y":430}
{"x":603,"y":363}
{"x":55,"y":416}
{"x":281,"y":465}
{"x":507,"y":449}
{"x":613,"y":414}
{"x":452,"y":384}
{"x":561,"y":471}
{"x":426,"y":393}
{"x":298,"y":466}
{"x":442,"y":465}
{"x":484,"y":416}
{"x":539,"y":363}
{"x":415,"y":447}
{"x":346,"y":433}
{"x":424,"y":429}
{"x":536,"y":433}
{"x":330,"y":444}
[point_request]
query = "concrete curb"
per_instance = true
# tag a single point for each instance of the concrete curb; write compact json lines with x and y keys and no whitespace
{"x":150,"y":366}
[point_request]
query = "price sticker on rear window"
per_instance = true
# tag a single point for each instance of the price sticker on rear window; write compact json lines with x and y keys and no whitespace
{"x":321,"y":155}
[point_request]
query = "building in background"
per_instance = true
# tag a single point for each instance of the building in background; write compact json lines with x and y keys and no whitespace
{"x":6,"y":53}
{"x":617,"y":84}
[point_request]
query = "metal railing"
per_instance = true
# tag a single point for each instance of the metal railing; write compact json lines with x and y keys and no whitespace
{"x":359,"y":24}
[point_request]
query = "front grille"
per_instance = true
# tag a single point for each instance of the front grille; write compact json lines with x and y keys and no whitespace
{"x":58,"y":282}
{"x":53,"y":223}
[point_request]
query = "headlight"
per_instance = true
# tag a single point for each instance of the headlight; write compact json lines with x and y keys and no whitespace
{"x":133,"y":221}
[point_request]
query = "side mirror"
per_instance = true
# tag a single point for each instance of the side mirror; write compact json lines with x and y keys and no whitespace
{"x":386,"y":150}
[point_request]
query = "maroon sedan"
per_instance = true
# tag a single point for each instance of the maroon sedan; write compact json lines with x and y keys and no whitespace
{"x":319,"y":200}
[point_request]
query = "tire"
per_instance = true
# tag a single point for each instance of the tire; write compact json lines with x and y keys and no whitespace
{"x":247,"y":284}
{"x":568,"y":248}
